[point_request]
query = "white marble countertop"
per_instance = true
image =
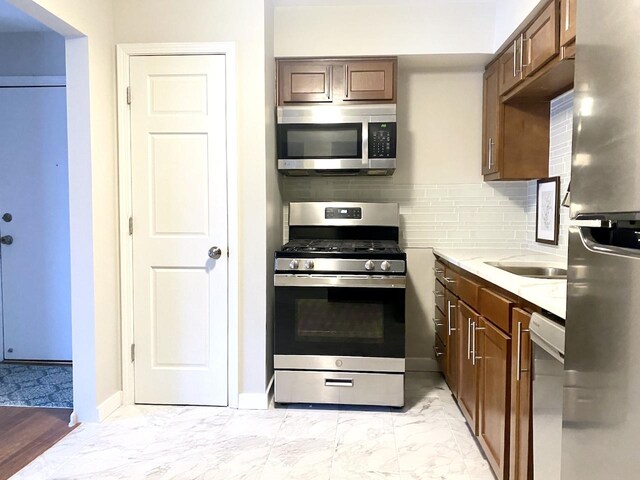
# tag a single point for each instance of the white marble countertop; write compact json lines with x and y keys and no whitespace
{"x":550,"y":295}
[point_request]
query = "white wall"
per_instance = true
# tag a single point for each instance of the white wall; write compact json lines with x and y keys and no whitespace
{"x":385,"y":28}
{"x":32,"y":54}
{"x":509,"y":15}
{"x":92,"y":184}
{"x":151,"y":21}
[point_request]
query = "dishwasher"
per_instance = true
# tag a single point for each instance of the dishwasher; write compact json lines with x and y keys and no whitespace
{"x":547,"y":337}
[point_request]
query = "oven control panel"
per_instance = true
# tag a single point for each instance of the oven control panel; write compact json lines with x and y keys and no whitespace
{"x":352,"y":213}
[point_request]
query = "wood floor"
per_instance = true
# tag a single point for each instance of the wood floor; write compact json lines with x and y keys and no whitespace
{"x":25,"y":433}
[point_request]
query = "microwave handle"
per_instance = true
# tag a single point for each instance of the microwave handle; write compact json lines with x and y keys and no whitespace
{"x":365,"y":140}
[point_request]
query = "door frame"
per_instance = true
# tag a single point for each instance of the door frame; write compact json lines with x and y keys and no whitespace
{"x":123,"y":53}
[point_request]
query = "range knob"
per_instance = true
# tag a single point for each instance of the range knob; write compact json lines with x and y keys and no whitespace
{"x":385,"y":266}
{"x":308,"y":264}
{"x":369,"y":265}
{"x":293,"y":265}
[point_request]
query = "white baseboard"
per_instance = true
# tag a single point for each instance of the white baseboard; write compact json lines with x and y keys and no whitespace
{"x":256,"y":401}
{"x":73,"y":419}
{"x":421,"y":364}
{"x":110,"y":405}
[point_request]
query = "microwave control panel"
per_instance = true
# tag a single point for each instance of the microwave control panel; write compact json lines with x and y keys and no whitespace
{"x":382,"y":140}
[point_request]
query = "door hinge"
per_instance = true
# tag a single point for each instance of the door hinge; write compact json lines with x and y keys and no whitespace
{"x":128,"y":95}
{"x":133,"y":352}
{"x":130,"y":225}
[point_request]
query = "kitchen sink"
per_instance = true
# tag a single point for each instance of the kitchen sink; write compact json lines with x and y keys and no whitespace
{"x":531,"y":271}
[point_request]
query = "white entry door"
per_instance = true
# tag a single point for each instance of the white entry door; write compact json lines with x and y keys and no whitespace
{"x":34,"y":223}
{"x":179,"y":198}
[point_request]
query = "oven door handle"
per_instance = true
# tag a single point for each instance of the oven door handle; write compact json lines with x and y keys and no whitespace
{"x":340,"y":281}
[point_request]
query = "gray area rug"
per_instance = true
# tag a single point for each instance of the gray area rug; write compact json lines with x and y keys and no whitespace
{"x":36,"y":386}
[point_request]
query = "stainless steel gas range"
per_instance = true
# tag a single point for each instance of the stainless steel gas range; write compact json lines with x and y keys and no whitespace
{"x":340,"y":306}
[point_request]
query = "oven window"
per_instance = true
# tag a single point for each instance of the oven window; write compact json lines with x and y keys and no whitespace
{"x":322,"y":321}
{"x":362,"y":322}
{"x":324,"y":141}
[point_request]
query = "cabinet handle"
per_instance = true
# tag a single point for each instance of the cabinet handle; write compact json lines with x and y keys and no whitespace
{"x":475,"y":344}
{"x":469,"y":338}
{"x":515,"y":58}
{"x":437,"y":271}
{"x":490,"y":153}
{"x":435,"y":322}
{"x":567,"y":12}
{"x":521,"y":55}
{"x":438,"y":294}
{"x":449,"y":307}
{"x":449,"y":280}
{"x":520,"y":331}
{"x":346,"y":81}
{"x":435,"y":350}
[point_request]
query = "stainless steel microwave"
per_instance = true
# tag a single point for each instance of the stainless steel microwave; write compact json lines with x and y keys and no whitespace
{"x":337,"y":140}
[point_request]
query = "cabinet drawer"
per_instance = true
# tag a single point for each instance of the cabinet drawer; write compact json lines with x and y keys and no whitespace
{"x":440,"y":352}
{"x":468,"y":291}
{"x":439,"y":293}
{"x":451,"y":280}
{"x":293,"y":386}
{"x":440,"y":324}
{"x":439,"y":269}
{"x":496,"y":308}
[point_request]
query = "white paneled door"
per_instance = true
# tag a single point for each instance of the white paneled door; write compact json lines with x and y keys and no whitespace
{"x":35,"y":304}
{"x":179,"y":201}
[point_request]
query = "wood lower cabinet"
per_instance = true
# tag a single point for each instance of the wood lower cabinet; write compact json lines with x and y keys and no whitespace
{"x":520,"y":458}
{"x":468,"y":319}
{"x":451,"y":373}
{"x":494,"y":360}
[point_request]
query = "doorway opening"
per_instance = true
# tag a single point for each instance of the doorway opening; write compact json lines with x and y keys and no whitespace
{"x":35,"y":278}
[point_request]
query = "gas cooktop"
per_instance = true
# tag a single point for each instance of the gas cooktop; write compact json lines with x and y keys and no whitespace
{"x":342,"y":247}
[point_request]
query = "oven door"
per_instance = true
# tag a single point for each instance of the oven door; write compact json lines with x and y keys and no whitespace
{"x":353,"y":323}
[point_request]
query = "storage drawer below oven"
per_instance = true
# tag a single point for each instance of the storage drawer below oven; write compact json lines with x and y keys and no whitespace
{"x":346,"y":388}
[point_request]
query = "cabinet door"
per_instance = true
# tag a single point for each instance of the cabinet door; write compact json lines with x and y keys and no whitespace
{"x":541,"y":39}
{"x":304,"y":82}
{"x":370,"y":80}
{"x":567,"y":21}
{"x":520,"y":432}
{"x":494,"y":360}
{"x":452,"y":343}
{"x":467,"y":371}
{"x":511,"y":66}
{"x":491,"y":120}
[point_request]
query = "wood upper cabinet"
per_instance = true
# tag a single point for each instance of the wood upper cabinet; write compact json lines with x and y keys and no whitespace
{"x":491,"y":120}
{"x":370,"y":80}
{"x":541,"y":39}
{"x":520,"y":458}
{"x":305,"y":82}
{"x":494,"y":352}
{"x":568,"y":11}
{"x":337,"y":81}
{"x":511,"y":64}
{"x":467,"y":371}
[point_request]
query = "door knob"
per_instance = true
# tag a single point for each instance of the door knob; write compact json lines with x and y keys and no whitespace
{"x":215,"y":253}
{"x":6,"y":240}
{"x":7,"y":217}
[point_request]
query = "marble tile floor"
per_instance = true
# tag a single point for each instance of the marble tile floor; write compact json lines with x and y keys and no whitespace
{"x":426,"y":440}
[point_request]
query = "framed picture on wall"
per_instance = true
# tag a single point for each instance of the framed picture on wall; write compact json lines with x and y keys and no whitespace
{"x":548,"y":210}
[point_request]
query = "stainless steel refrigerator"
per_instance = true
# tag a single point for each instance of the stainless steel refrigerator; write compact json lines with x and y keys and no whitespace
{"x":601,"y":411}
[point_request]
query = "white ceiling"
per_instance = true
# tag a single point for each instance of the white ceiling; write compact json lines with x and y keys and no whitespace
{"x":14,"y":20}
{"x":325,"y":3}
